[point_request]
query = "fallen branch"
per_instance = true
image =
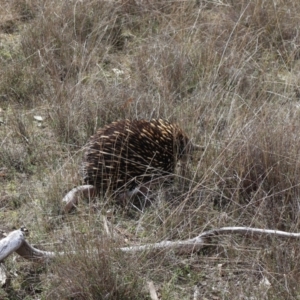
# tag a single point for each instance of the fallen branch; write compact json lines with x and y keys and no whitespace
{"x":71,"y":199}
{"x":152,"y":290}
{"x":3,"y":275}
{"x":15,"y":242}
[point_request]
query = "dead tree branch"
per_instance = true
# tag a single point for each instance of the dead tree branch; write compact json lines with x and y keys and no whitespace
{"x":15,"y":242}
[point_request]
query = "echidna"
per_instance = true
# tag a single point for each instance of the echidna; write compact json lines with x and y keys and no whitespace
{"x":126,"y":154}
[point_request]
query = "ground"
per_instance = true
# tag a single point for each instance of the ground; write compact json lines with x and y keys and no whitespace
{"x":226,"y":71}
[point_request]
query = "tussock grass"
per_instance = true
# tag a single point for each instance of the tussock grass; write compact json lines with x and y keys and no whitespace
{"x":226,"y":71}
{"x":98,"y":275}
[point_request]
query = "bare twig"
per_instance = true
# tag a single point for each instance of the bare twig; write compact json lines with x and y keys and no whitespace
{"x":3,"y":276}
{"x":71,"y":199}
{"x":15,"y":242}
{"x":153,"y":294}
{"x":11,"y":243}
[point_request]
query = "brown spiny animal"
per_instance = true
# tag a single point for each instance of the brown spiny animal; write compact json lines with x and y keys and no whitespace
{"x":126,"y":154}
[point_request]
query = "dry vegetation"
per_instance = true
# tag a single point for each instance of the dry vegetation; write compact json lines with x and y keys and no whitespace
{"x":226,"y":71}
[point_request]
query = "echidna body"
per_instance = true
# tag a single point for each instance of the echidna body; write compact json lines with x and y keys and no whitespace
{"x":126,"y":154}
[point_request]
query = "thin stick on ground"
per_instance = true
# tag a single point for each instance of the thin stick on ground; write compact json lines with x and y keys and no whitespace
{"x":153,"y":294}
{"x":15,"y":242}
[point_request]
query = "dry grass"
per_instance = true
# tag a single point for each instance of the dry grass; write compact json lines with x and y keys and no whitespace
{"x":226,"y":71}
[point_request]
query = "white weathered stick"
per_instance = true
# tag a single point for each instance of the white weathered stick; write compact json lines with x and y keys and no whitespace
{"x":153,"y":294}
{"x":249,"y":231}
{"x":29,"y":252}
{"x":15,"y":241}
{"x":3,"y":276}
{"x":198,"y":242}
{"x":11,"y":243}
{"x":71,"y":199}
